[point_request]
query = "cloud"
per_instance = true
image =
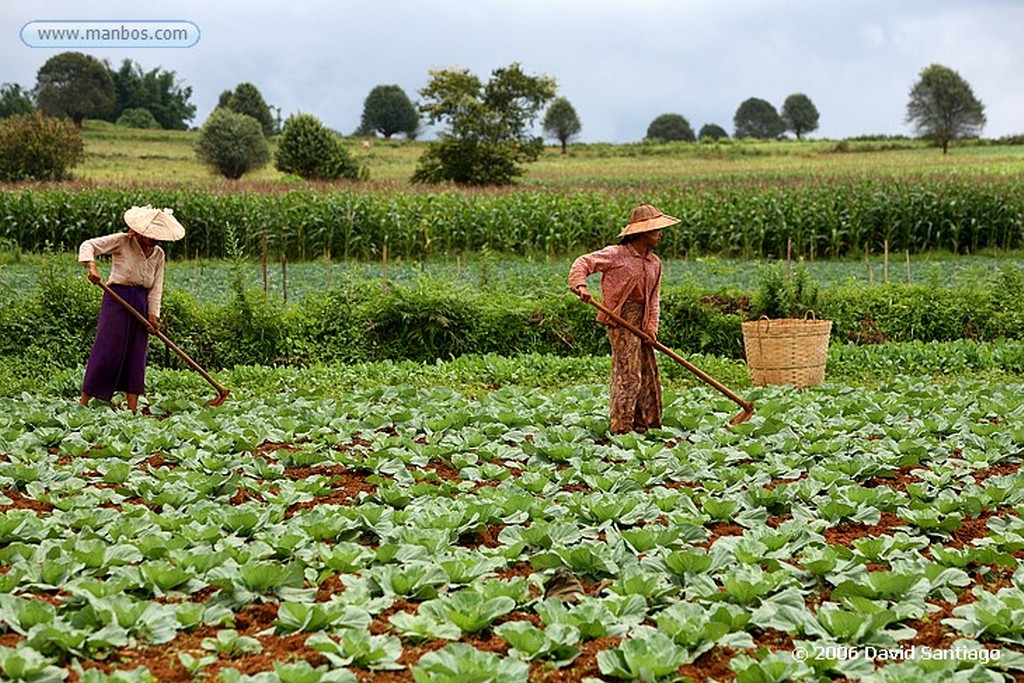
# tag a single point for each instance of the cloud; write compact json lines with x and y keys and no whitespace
{"x":620,"y":64}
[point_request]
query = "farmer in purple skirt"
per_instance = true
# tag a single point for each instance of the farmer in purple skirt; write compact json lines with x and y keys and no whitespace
{"x":118,"y":358}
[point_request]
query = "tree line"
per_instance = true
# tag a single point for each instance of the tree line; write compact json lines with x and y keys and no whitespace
{"x":485,"y":135}
{"x":78,"y":86}
{"x":755,"y":118}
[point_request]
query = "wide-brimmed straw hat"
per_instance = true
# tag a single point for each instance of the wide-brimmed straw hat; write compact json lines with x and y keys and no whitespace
{"x":157,"y":224}
{"x":647,"y":217}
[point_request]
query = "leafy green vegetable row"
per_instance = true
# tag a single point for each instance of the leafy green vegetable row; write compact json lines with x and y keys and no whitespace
{"x":688,"y":538}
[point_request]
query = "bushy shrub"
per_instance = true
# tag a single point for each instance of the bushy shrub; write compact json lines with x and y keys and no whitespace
{"x":232,"y":144}
{"x":139,"y":117}
{"x":421,"y":323}
{"x":37,"y":147}
{"x":691,"y":323}
{"x":779,"y":295}
{"x":433,"y":319}
{"x":331,"y":326}
{"x":57,"y":321}
{"x":248,"y":328}
{"x":899,"y":313}
{"x":1007,"y":314}
{"x":245,"y":331}
{"x":310,"y":150}
{"x":470,"y":162}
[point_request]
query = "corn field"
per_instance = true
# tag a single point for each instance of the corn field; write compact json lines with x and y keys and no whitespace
{"x":832,"y":218}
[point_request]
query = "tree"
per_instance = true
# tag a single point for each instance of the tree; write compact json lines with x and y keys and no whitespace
{"x":312,"y":151}
{"x":757,"y":118}
{"x":670,"y":127}
{"x":799,"y":114}
{"x":232,"y":144}
{"x":157,"y":91}
{"x":487,"y":137}
{"x":712,"y":131}
{"x":388,"y":110}
{"x":246,"y":99}
{"x":74,"y":85}
{"x":561,"y":122}
{"x":943,"y":107}
{"x":37,"y":147}
{"x":14,"y":100}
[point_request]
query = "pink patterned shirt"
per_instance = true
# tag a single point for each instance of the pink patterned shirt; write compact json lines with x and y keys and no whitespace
{"x":622,"y":269}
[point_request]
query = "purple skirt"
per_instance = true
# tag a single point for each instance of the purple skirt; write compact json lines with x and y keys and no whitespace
{"x":118,"y":358}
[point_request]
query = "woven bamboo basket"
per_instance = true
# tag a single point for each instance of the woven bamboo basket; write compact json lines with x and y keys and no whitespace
{"x":786,"y":350}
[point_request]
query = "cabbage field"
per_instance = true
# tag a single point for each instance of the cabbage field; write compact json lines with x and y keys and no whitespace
{"x":408,"y":526}
{"x":413,"y":477}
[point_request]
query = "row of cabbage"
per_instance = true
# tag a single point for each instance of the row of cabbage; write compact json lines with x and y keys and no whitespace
{"x":119,"y":531}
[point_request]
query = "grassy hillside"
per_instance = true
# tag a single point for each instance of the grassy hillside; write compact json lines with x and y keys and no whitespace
{"x":117,"y":155}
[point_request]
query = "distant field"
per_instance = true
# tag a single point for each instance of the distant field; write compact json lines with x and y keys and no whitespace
{"x":117,"y":155}
{"x":212,"y":280}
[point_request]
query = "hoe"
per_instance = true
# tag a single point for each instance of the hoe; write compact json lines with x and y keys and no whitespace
{"x":222,"y":391}
{"x":748,"y":406}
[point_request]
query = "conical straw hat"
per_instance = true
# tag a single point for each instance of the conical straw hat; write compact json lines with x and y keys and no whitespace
{"x":647,"y":217}
{"x":157,"y":224}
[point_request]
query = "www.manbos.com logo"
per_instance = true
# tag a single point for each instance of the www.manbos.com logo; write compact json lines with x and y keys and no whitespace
{"x":110,"y":33}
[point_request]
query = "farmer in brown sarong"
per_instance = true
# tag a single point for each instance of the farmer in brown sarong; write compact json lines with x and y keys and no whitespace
{"x":630,"y":287}
{"x":118,"y":358}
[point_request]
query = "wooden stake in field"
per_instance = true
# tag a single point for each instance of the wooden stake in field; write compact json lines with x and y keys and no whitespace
{"x":871,"y":273}
{"x":264,"y":260}
{"x":195,"y":275}
{"x":284,"y":276}
{"x":327,"y":256}
{"x":350,"y":224}
{"x":885,"y":262}
{"x":789,"y":258}
{"x":906,"y":254}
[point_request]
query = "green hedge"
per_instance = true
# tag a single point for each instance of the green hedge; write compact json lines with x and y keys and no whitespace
{"x":751,"y":218}
{"x":376,"y":320}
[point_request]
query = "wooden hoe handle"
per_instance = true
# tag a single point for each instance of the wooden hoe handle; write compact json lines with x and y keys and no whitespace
{"x":222,"y":391}
{"x":748,"y":406}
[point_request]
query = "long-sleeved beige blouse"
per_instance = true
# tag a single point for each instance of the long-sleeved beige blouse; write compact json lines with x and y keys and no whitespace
{"x":129,"y":266}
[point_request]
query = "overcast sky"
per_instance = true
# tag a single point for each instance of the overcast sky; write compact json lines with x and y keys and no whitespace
{"x":620,"y":63}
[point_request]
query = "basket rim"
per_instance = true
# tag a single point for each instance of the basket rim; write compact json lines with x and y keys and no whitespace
{"x":788,"y":326}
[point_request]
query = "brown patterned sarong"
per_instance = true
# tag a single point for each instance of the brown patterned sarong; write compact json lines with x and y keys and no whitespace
{"x":635,"y":384}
